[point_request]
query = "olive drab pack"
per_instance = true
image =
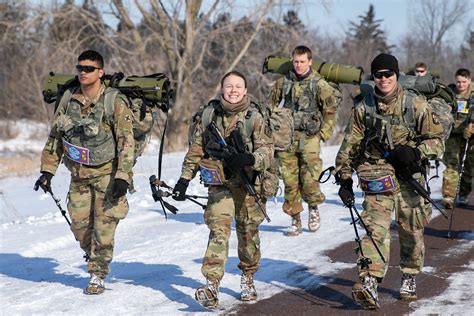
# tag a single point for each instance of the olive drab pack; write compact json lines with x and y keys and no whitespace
{"x":280,"y":125}
{"x":439,"y":98}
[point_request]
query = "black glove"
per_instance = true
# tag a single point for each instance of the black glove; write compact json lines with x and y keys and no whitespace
{"x":346,"y":193}
{"x":119,"y":188}
{"x":179,"y":191}
{"x":238,"y":161}
{"x":44,"y":182}
{"x":215,"y":150}
{"x":404,"y":156}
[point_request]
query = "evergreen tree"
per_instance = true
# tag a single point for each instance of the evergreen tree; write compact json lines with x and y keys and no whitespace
{"x":367,"y":35}
{"x":292,"y":21}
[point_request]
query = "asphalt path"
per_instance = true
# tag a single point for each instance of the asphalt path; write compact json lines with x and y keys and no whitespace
{"x":333,"y":295}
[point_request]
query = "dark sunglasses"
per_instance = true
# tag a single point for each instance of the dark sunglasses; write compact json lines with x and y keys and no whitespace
{"x":87,"y":69}
{"x":386,"y":74}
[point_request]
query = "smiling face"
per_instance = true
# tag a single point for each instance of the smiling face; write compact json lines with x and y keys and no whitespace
{"x":301,"y":64}
{"x":86,"y":77}
{"x":462,"y":84}
{"x":385,"y":80}
{"x":233,"y":89}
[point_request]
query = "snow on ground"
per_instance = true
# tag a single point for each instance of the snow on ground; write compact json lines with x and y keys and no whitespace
{"x":156,"y":266}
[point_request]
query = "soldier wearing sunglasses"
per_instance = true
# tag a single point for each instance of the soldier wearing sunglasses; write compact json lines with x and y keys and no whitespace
{"x":391,"y":130}
{"x":98,"y":150}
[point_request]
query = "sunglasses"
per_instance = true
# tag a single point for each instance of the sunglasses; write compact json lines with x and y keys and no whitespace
{"x":86,"y":69}
{"x":386,"y":74}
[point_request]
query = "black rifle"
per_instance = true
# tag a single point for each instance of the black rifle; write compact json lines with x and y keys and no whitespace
{"x":405,"y":174}
{"x":238,"y":147}
{"x":362,"y":261}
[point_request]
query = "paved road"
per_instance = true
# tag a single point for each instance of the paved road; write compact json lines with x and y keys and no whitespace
{"x":334,"y":295}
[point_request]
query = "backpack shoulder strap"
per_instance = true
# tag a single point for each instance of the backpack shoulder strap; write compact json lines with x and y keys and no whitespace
{"x":110,"y":95}
{"x":64,"y":100}
{"x":409,"y":112}
{"x":208,"y":112}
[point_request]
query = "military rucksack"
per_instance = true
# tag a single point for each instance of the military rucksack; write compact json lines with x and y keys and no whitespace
{"x":439,"y":98}
{"x":278,"y":122}
{"x":144,"y":95}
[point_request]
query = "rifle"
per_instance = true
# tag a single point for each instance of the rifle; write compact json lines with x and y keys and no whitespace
{"x":238,"y":147}
{"x":406,"y":174}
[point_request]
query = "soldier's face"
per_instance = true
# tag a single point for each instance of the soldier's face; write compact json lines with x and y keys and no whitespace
{"x":385,"y":80}
{"x":462,"y":84}
{"x":301,"y":64}
{"x":87,"y":75}
{"x":233,"y":89}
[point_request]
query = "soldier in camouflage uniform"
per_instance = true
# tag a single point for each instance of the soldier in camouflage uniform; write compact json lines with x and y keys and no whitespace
{"x":398,"y":124}
{"x":314,"y":106}
{"x":461,"y":133}
{"x":228,"y":197}
{"x":98,"y":150}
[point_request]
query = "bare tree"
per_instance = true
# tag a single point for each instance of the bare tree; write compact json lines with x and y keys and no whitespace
{"x":432,"y":21}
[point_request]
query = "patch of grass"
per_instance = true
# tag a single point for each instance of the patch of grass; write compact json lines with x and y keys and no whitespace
{"x":19,"y":165}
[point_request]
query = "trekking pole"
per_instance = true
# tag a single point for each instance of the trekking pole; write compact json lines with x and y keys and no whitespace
{"x":63,"y":212}
{"x":368,"y":233}
{"x":458,"y":187}
{"x":56,"y":200}
{"x":364,"y":261}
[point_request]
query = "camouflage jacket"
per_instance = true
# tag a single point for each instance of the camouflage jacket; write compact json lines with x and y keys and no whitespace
{"x":324,"y":96}
{"x":262,"y":144}
{"x":427,"y":134}
{"x":463,"y":103}
{"x":120,"y":128}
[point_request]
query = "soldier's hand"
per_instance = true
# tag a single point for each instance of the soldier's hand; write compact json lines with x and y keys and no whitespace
{"x":468,"y":131}
{"x":44,"y":182}
{"x":346,"y":193}
{"x":404,"y":156}
{"x":119,"y":188}
{"x":238,"y":161}
{"x":179,"y":191}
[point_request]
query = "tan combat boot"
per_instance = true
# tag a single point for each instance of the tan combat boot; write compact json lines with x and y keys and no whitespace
{"x":365,"y":292}
{"x":295,"y":229}
{"x":314,"y":221}
{"x":96,"y":285}
{"x":208,"y":295}
{"x":248,"y":291}
{"x":408,"y":288}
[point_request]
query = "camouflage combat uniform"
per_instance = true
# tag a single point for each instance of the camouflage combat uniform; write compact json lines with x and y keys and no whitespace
{"x":455,"y":147}
{"x":231,"y":199}
{"x":93,"y":211}
{"x":412,"y":213}
{"x":314,"y":106}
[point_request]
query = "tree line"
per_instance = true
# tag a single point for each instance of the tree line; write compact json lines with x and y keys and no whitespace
{"x":195,"y":43}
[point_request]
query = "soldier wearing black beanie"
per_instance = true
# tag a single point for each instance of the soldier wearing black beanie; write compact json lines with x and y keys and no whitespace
{"x":385,"y":61}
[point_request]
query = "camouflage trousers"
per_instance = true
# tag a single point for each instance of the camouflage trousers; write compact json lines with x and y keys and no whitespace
{"x":452,"y":159}
{"x":412,"y":213}
{"x":94,"y":219}
{"x":224,"y":203}
{"x":300,"y":168}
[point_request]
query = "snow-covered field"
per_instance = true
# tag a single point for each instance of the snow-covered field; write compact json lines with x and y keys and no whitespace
{"x":156,"y":266}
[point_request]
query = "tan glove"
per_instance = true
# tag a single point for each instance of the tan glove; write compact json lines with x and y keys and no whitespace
{"x":468,"y":131}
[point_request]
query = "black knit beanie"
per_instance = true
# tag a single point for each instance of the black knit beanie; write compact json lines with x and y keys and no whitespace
{"x":385,"y":61}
